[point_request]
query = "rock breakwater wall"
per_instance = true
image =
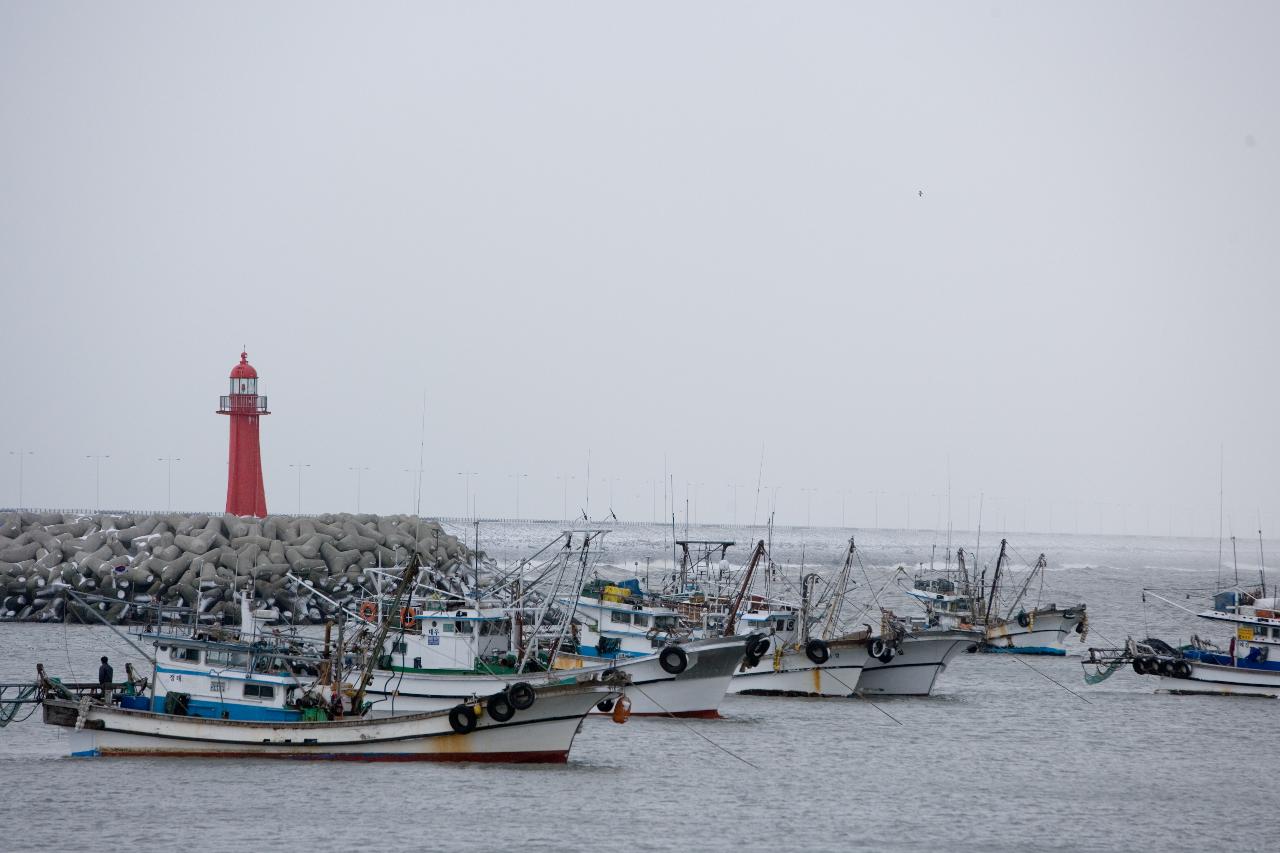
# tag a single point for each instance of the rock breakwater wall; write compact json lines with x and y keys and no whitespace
{"x":124,"y":565}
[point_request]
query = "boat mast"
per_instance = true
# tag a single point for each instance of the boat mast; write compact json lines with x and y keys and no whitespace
{"x":731,"y":622}
{"x":1219,"y":586}
{"x":375,"y":651}
{"x":1262,"y":563}
{"x":995,"y":580}
{"x":1235,"y":566}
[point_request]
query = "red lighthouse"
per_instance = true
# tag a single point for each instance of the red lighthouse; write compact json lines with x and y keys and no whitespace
{"x":245,"y":495}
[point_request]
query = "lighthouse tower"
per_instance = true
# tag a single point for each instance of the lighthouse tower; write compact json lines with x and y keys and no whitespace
{"x":245,"y":495}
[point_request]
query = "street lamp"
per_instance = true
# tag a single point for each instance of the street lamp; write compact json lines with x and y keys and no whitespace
{"x":21,"y":454}
{"x":97,"y":478}
{"x":468,"y":475}
{"x":169,"y":460}
{"x":875,"y":502}
{"x":808,"y":506}
{"x":518,"y":478}
{"x":299,"y":466}
{"x":566,"y":478}
{"x":358,"y":469}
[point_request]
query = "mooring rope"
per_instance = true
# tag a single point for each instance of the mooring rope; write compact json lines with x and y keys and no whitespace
{"x":1050,"y":678}
{"x":723,"y":749}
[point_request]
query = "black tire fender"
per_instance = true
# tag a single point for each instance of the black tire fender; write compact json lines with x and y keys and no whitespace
{"x":1023,"y":619}
{"x":605,"y":705}
{"x":817,"y":651}
{"x":876,"y":648}
{"x":521,"y":696}
{"x":462,"y":719}
{"x":499,"y":707}
{"x":1182,"y":669}
{"x":673,"y":659}
{"x":758,"y":648}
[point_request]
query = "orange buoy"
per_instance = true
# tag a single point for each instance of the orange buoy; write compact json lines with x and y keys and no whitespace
{"x":368,"y":611}
{"x":622,"y":710}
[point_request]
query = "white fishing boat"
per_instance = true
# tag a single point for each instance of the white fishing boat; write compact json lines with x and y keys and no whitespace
{"x":446,"y":657}
{"x":910,"y":664}
{"x":541,"y":731}
{"x":956,"y":600}
{"x":1247,"y":664}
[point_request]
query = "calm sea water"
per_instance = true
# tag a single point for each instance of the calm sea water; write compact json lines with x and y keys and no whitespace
{"x":1001,"y":758}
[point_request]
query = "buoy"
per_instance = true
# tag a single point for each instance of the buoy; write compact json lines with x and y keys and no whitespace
{"x":622,"y":710}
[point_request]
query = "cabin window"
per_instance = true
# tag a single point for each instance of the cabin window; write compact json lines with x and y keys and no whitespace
{"x":782,"y":624}
{"x":221,"y":657}
{"x":640,"y":620}
{"x":462,"y":627}
{"x":620,"y":616}
{"x":401,"y":648}
{"x":189,"y":655}
{"x":664,"y":622}
{"x":259,"y":691}
{"x":448,"y":627}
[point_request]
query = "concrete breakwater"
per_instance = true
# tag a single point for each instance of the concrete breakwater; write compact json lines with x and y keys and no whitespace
{"x":126,"y":564}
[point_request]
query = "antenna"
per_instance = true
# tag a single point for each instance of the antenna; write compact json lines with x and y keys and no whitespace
{"x":1262,"y":564}
{"x":1219,"y":516}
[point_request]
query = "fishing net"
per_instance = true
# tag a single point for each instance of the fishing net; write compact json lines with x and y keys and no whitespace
{"x":10,"y":704}
{"x":1102,"y":673}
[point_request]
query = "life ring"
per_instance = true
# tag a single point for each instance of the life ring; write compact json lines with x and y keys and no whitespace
{"x":876,"y":648}
{"x":1023,"y":619}
{"x":408,"y":617}
{"x":1182,"y":669}
{"x":759,"y":648}
{"x":817,"y":651}
{"x":521,"y":695}
{"x":462,"y":719}
{"x":368,"y":611}
{"x":673,"y":659}
{"x":605,"y":705}
{"x":499,"y":707}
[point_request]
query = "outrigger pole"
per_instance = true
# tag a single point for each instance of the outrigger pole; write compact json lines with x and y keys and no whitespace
{"x":406,"y":584}
{"x":995,"y":581}
{"x":731,"y":622}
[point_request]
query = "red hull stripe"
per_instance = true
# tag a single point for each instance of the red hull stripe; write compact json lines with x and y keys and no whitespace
{"x":544,"y":757}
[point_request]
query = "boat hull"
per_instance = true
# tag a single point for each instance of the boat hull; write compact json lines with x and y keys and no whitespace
{"x":788,"y":671}
{"x":915,"y":670}
{"x":543,"y":733}
{"x":1219,"y":680}
{"x":1046,"y":635}
{"x":695,"y":692}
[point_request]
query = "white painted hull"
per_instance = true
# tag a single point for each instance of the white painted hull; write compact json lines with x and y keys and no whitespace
{"x":915,"y":670}
{"x":1211,"y":679}
{"x":1048,"y":631}
{"x":695,"y":692}
{"x":542,"y":733}
{"x":792,"y":673}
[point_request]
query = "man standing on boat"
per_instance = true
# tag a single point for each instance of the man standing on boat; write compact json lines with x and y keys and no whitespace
{"x":105,"y":676}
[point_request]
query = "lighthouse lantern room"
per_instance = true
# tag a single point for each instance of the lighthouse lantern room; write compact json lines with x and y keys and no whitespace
{"x":245,"y":494}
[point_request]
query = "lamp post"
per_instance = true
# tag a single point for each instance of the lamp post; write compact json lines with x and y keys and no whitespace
{"x":21,"y":454}
{"x":97,"y":478}
{"x":299,"y":466}
{"x":467,"y":475}
{"x":358,"y":469}
{"x":169,"y":460}
{"x":875,"y":503}
{"x":518,"y":478}
{"x":566,"y":478}
{"x":808,"y":506}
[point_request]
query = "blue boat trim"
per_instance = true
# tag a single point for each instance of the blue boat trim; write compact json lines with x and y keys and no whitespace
{"x":1023,"y":650}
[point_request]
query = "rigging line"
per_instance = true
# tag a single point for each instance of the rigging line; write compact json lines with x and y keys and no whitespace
{"x":854,"y":693}
{"x":685,"y":723}
{"x":1050,"y":678}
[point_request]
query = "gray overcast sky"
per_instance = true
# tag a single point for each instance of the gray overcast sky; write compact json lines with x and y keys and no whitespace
{"x":688,"y":229}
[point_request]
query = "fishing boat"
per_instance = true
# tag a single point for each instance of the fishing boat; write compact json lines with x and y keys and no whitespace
{"x":1247,"y":664}
{"x":325,"y":716}
{"x":443,"y":648}
{"x":956,"y":599}
{"x":909,"y":655}
{"x":541,"y":731}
